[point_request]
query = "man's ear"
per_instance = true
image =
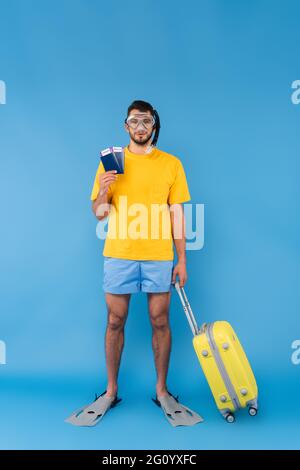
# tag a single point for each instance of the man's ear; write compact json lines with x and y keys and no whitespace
{"x":126,"y":128}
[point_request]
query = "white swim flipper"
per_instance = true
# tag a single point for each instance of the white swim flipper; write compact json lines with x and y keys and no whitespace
{"x":176,"y":413}
{"x":91,"y":414}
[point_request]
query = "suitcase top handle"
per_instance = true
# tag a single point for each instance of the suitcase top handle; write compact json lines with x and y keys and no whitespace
{"x":187,"y":308}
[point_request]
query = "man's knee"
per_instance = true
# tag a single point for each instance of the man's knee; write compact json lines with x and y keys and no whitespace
{"x":160,"y":321}
{"x":116,"y":320}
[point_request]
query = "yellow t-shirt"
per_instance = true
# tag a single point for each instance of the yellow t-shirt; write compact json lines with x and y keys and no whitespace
{"x":139,"y":226}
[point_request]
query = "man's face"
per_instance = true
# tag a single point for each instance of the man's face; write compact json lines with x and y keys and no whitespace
{"x":142,"y":134}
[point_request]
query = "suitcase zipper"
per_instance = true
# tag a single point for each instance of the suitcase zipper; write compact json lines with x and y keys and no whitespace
{"x":220,"y":364}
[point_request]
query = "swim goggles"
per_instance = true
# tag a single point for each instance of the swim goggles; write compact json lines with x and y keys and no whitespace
{"x":136,"y":120}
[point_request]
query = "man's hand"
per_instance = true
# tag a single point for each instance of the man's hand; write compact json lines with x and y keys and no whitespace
{"x":180,"y":271}
{"x":106,"y":179}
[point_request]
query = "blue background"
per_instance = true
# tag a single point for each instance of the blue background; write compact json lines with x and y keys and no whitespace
{"x":219,"y":72}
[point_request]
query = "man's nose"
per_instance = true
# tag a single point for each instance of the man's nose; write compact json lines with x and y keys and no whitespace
{"x":140,"y":126}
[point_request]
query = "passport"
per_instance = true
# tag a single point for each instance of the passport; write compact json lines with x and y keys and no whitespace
{"x":113,"y":159}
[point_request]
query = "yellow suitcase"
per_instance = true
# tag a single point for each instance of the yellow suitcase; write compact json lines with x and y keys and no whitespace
{"x":224,"y":363}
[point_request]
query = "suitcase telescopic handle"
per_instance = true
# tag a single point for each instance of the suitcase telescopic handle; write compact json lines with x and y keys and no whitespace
{"x":187,"y":308}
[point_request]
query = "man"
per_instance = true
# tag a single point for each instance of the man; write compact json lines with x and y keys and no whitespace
{"x":138,"y":255}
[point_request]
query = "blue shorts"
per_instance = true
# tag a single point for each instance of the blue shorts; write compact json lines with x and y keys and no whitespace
{"x":126,"y":276}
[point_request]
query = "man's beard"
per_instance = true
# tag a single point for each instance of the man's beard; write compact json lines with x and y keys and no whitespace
{"x":142,"y":141}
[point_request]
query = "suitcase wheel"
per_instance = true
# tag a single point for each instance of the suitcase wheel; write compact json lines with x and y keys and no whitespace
{"x":252,"y":411}
{"x":230,"y":418}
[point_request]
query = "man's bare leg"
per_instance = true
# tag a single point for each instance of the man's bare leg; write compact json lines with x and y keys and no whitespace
{"x":117,"y":309}
{"x":158,"y":304}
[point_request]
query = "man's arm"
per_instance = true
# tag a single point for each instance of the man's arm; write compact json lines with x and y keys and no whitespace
{"x":100,"y":205}
{"x":178,"y":233}
{"x":101,"y":211}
